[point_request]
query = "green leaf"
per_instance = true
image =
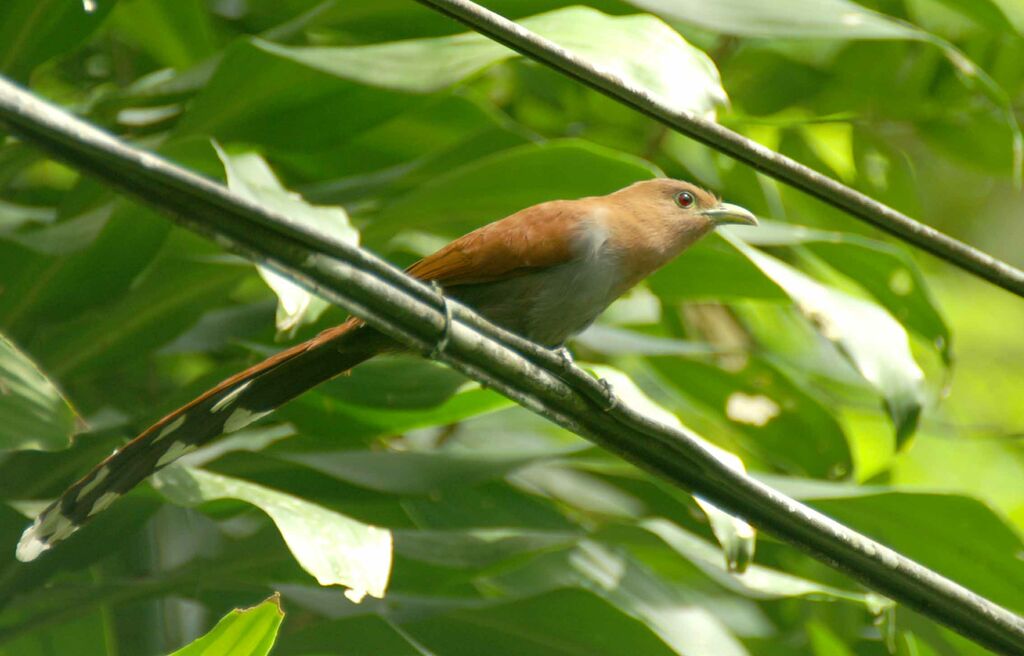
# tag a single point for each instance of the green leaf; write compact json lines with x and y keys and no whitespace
{"x":777,"y":419}
{"x":640,"y":49}
{"x":33,"y":31}
{"x":250,"y":177}
{"x":757,"y":580}
{"x":1014,"y":11}
{"x":335,"y":549}
{"x":737,"y":537}
{"x":712,"y":270}
{"x":967,"y":534}
{"x":177,"y":33}
{"x":680,"y":621}
{"x":835,"y":19}
{"x":865,"y":334}
{"x":410,"y":472}
{"x":537,"y":626}
{"x":33,"y":412}
{"x":372,"y":85}
{"x":471,"y":195}
{"x":884,"y":271}
{"x":156,"y":309}
{"x":242,"y":632}
{"x":817,"y":19}
{"x":482,"y":547}
{"x":388,"y":396}
{"x":825,"y":642}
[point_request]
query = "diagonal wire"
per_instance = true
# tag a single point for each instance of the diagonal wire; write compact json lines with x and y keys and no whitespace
{"x":768,"y":161}
{"x":537,"y":378}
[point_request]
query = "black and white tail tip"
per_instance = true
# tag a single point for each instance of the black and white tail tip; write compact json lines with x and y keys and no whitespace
{"x":158,"y":447}
{"x":49,"y":528}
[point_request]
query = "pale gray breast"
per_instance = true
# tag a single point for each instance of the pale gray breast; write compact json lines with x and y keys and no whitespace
{"x":550,"y":305}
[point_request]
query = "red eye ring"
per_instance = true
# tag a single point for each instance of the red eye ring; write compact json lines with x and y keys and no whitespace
{"x":685,"y":199}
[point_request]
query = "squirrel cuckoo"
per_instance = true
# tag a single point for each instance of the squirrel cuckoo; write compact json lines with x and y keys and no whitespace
{"x":545,"y":272}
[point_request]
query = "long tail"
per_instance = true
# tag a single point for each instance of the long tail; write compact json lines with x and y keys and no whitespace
{"x":231,"y":405}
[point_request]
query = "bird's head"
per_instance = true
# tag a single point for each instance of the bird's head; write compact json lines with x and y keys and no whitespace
{"x":684,"y":202}
{"x":663,"y":217}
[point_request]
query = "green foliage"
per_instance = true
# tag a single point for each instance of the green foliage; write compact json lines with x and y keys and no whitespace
{"x":839,"y":366}
{"x":242,"y":632}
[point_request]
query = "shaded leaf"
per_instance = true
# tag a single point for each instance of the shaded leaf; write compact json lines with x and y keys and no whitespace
{"x":177,"y":33}
{"x":737,"y":537}
{"x":33,"y":412}
{"x":474,"y":194}
{"x":968,"y":533}
{"x":756,"y":580}
{"x":388,"y":396}
{"x":681,"y":622}
{"x":769,"y":410}
{"x":32,"y":31}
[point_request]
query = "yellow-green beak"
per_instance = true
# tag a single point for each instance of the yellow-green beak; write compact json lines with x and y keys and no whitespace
{"x":727,"y":214}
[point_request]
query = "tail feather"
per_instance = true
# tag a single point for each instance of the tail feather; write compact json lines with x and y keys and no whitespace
{"x":228,"y":407}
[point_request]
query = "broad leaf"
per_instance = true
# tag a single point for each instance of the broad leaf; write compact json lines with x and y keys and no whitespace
{"x":333,"y":548}
{"x":474,"y":194}
{"x":968,"y":533}
{"x":640,"y":49}
{"x":886,"y":272}
{"x":32,"y":31}
{"x":242,"y":632}
{"x":33,"y":412}
{"x":867,"y":335}
{"x":738,"y":538}
{"x":687,"y":627}
{"x":819,"y":19}
{"x":249,"y":176}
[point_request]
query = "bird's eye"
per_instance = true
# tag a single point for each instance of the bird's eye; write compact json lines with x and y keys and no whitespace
{"x":685,"y":199}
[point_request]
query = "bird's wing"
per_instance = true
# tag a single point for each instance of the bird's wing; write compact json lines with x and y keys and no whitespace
{"x":535,"y":238}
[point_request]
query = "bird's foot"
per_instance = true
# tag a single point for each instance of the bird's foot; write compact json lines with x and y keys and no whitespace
{"x":566,"y":357}
{"x":610,"y":399}
{"x":446,"y":330}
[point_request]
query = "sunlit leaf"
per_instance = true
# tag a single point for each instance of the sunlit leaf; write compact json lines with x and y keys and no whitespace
{"x":249,"y":176}
{"x":831,"y":19}
{"x":869,"y":337}
{"x":884,"y":271}
{"x":335,"y":549}
{"x":640,"y":49}
{"x":242,"y":632}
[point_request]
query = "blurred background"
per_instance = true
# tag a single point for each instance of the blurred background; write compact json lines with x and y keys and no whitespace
{"x":874,"y":382}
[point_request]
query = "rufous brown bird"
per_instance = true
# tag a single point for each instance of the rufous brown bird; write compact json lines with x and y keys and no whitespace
{"x":545,"y":272}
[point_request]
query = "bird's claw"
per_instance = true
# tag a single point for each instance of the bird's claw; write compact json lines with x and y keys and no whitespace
{"x":609,"y":395}
{"x":446,"y":330}
{"x":566,"y":357}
